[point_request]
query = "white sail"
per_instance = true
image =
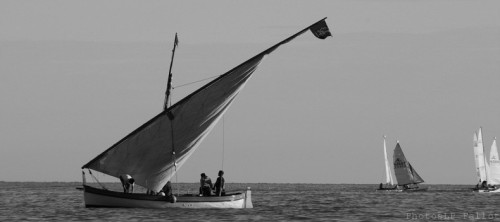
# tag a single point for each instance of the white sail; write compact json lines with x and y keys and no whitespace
{"x":480,"y":158}
{"x":388,"y":174}
{"x":405,"y":173}
{"x":476,"y":157}
{"x":152,"y":153}
{"x":487,"y":169}
{"x":494,"y":167}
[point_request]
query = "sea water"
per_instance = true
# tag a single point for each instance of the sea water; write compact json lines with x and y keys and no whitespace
{"x":41,"y":201}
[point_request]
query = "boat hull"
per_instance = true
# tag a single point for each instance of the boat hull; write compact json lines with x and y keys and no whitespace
{"x":94,"y":197}
{"x":388,"y":190}
{"x":497,"y":190}
{"x":401,"y":190}
{"x":414,"y":190}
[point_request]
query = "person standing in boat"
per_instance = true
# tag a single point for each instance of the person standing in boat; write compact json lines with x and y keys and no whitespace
{"x":205,"y":185}
{"x":219,"y":185}
{"x":127,"y":183}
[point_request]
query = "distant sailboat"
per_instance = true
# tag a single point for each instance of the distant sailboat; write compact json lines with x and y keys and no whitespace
{"x":389,"y":182}
{"x":488,"y":171}
{"x":152,"y":153}
{"x":406,"y":175}
{"x":479,"y":157}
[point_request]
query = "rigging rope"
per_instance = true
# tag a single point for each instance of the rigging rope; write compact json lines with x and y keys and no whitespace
{"x":222,"y":143}
{"x":171,"y":117}
{"x":172,"y":128}
{"x":96,"y":180}
{"x":201,"y":80}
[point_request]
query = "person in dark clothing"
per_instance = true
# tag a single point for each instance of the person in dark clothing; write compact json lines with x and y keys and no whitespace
{"x":219,"y":185}
{"x":205,"y":185}
{"x":484,"y":185}
{"x":167,"y":189}
{"x":127,"y":183}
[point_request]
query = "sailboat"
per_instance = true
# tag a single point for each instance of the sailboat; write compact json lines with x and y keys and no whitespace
{"x":153,"y":152}
{"x":389,"y":182}
{"x":407,"y":177}
{"x":481,"y":163}
{"x":479,"y":159}
{"x":488,"y":171}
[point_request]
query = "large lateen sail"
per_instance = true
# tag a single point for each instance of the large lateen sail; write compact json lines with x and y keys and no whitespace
{"x":152,"y":153}
{"x":388,"y":174}
{"x":405,"y":173}
{"x":494,"y":166}
{"x":479,"y":156}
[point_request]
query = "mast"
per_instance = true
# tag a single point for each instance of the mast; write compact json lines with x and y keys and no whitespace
{"x":169,"y":83}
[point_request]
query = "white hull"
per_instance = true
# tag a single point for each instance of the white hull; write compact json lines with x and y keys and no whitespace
{"x":414,"y":190}
{"x":488,"y":191}
{"x":402,"y":190}
{"x":102,"y":198}
{"x":388,"y":190}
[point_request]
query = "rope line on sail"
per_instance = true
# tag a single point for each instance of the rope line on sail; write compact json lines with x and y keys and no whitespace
{"x":173,"y":149}
{"x":177,"y":186}
{"x":201,"y":80}
{"x":223,"y":139}
{"x":96,"y":180}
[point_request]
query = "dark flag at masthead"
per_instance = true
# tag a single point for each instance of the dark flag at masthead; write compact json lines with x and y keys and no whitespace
{"x":320,"y":29}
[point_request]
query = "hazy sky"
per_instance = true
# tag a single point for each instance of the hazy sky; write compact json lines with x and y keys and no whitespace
{"x":77,"y":76}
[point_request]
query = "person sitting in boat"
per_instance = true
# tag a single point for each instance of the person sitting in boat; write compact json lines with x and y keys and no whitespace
{"x":127,"y":183}
{"x":205,"y":185}
{"x":484,"y":185}
{"x":167,"y":189}
{"x":219,"y":185}
{"x":381,"y":186}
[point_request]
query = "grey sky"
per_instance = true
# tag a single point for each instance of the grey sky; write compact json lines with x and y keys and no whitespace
{"x":77,"y":76}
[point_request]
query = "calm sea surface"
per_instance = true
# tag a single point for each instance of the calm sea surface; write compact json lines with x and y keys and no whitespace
{"x":272,"y":202}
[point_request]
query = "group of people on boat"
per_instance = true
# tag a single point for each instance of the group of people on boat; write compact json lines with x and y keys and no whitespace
{"x":398,"y":187}
{"x":387,"y":187}
{"x":206,"y":186}
{"x":485,"y":186}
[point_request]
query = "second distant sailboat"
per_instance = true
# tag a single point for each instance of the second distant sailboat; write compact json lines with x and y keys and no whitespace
{"x":406,"y":175}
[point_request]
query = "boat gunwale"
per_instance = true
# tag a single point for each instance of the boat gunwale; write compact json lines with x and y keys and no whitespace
{"x":182,"y":198}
